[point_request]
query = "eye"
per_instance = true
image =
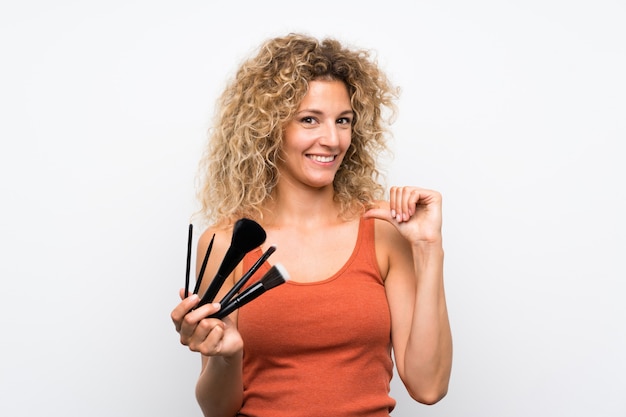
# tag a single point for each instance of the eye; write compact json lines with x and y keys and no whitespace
{"x":344,"y":121}
{"x":309,"y":120}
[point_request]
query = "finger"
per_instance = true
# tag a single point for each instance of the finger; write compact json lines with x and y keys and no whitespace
{"x":185,"y":318}
{"x":382,"y":213}
{"x":401,"y":203}
{"x":424,"y":197}
{"x":192,"y":318}
{"x":410,"y":198}
{"x":177,"y":315}
{"x":394,"y":202}
{"x":380,"y":210}
{"x":208,"y":337}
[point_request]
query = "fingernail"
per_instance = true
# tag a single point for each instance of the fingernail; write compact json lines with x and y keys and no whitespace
{"x":393,"y":213}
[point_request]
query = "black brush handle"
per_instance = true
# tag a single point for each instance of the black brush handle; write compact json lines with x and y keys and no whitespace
{"x":246,"y":277}
{"x":231,"y":259}
{"x":241,"y":300}
{"x":247,"y":235}
{"x":189,"y":240}
{"x":203,"y":267}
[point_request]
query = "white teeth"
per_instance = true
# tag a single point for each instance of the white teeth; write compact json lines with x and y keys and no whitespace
{"x":320,"y":158}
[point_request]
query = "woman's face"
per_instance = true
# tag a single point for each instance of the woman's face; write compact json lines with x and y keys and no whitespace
{"x":316,"y":139}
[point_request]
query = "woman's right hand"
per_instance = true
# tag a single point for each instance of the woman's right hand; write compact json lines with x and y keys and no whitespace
{"x":209,"y":336}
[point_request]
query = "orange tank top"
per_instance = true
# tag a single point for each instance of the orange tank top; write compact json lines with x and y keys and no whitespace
{"x":322,"y":348}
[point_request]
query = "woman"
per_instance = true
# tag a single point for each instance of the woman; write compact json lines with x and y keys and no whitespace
{"x":294,"y":148}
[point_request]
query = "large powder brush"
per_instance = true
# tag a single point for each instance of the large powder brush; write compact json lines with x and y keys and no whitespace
{"x":247,"y":235}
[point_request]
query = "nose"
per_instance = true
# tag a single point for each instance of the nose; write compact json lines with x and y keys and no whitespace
{"x":330,"y":135}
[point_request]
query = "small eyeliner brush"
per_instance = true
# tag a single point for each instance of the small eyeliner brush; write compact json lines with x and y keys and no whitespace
{"x":188,"y":260}
{"x":203,"y":267}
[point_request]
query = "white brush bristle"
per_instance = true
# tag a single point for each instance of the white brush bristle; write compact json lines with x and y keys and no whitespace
{"x":283,"y":271}
{"x":275,"y":276}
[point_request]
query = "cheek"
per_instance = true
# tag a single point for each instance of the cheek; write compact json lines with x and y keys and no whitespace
{"x":349,"y":149}
{"x":295,"y":139}
{"x":346,"y":140}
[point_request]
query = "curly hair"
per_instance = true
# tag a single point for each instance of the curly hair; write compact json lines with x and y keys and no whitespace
{"x":238,"y":170}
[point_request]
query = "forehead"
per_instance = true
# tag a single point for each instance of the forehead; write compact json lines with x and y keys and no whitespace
{"x":327,"y":94}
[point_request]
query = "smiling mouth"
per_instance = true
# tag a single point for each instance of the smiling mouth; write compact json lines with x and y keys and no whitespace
{"x":320,"y":158}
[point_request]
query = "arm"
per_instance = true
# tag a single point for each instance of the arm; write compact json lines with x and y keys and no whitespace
{"x":219,"y":390}
{"x":412,"y":264}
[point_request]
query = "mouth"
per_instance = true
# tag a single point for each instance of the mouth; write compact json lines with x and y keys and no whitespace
{"x":322,"y":158}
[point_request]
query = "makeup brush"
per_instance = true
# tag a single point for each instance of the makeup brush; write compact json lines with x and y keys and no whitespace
{"x":242,"y":281}
{"x":203,"y":267}
{"x":189,"y":237}
{"x":247,"y":235}
{"x":276,"y":276}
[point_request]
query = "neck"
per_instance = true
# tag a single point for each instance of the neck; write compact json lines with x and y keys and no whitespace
{"x":302,"y":206}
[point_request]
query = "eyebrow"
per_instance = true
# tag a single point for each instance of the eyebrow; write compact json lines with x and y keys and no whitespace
{"x":319,"y":112}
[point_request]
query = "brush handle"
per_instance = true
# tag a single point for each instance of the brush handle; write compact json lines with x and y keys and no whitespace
{"x":189,"y":239}
{"x":231,"y":259}
{"x":242,"y":281}
{"x":247,"y":235}
{"x":241,"y":300}
{"x":203,"y":267}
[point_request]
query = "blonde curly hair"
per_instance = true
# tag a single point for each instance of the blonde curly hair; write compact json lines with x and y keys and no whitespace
{"x":238,"y":170}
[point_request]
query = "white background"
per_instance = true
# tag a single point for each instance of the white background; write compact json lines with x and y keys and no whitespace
{"x":514,"y":110}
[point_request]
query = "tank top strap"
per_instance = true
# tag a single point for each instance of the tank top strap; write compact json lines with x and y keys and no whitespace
{"x":367,"y":245}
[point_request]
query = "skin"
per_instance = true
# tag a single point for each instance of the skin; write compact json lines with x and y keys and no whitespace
{"x":298,"y":220}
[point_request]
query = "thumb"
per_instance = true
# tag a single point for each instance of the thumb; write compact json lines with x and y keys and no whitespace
{"x":381,"y":211}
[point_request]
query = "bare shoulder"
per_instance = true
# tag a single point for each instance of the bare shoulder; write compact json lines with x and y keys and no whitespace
{"x":388,"y":238}
{"x":219,"y":235}
{"x":391,"y":247}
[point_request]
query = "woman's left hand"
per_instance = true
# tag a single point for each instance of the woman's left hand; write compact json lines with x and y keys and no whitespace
{"x":414,"y":211}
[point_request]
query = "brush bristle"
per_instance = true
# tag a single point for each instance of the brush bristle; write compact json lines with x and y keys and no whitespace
{"x":275,"y":276}
{"x":247,"y":235}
